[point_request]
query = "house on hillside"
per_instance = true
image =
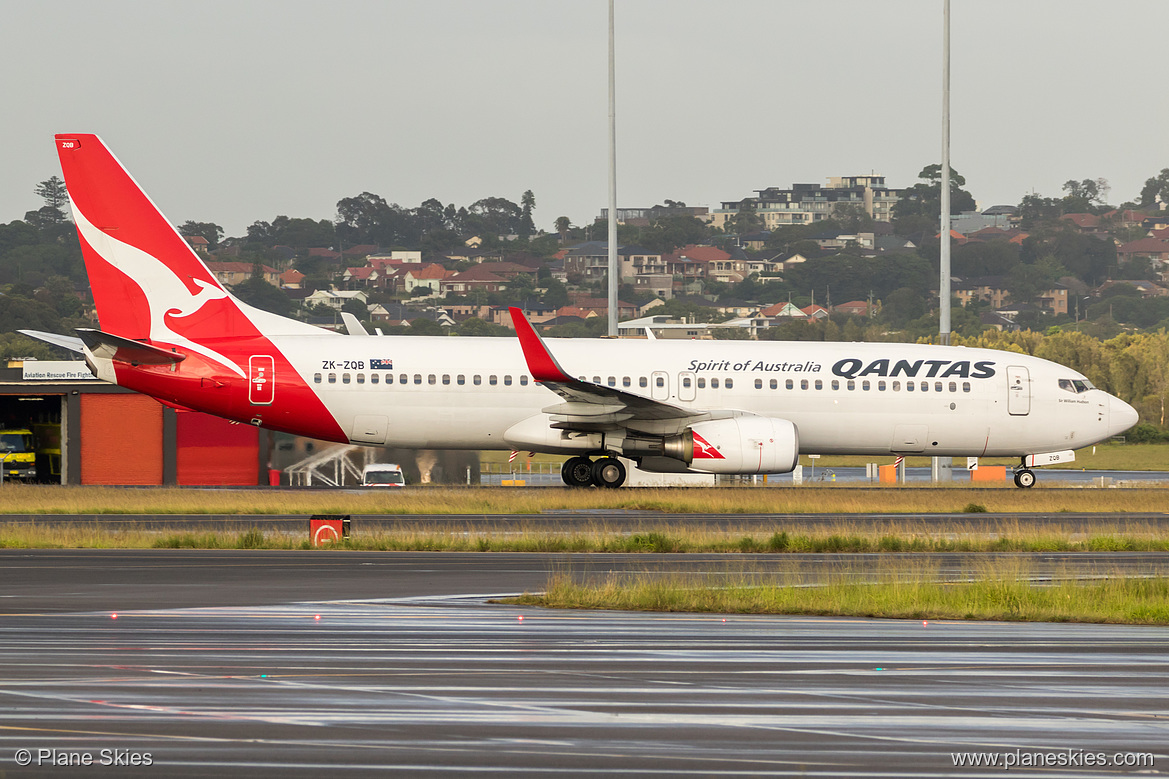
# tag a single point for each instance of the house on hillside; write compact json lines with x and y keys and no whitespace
{"x":232,"y":273}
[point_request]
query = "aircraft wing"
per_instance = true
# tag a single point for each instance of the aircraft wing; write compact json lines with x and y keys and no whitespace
{"x":588,"y":405}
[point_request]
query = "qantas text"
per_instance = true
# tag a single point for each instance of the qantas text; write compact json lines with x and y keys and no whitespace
{"x":942,"y":369}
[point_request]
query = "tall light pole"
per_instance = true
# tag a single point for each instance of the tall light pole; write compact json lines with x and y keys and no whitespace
{"x":614,"y":273}
{"x":944,"y":279}
{"x":942,"y":467}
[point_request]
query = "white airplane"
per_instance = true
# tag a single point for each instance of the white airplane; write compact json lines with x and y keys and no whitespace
{"x":170,"y":330}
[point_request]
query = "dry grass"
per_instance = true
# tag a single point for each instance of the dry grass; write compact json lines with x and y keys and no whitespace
{"x":1002,"y":589}
{"x":674,"y":537}
{"x":835,"y":499}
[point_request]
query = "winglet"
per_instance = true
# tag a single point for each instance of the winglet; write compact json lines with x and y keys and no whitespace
{"x":540,"y":361}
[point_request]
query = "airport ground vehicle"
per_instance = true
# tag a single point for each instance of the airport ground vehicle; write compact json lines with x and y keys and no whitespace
{"x":18,"y":454}
{"x":382,"y":475}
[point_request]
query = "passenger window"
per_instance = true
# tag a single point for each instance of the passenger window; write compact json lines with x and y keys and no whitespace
{"x":524,"y":380}
{"x":965,"y":386}
{"x":865,"y":385}
{"x":937,"y":386}
{"x":403,"y":379}
{"x":643,"y":382}
{"x":659,"y":381}
{"x":880,"y":386}
{"x":389,"y":378}
{"x":476,"y":379}
{"x":361,"y":378}
{"x":316,"y":378}
{"x":758,"y":383}
{"x":686,"y":382}
{"x":460,"y":379}
{"x":851,"y":385}
{"x":417,"y":378}
{"x":492,"y":380}
{"x":596,"y":380}
{"x":909,"y":385}
{"x":701,"y":383}
{"x":729,"y":383}
{"x":953,"y":386}
{"x":345,"y":378}
{"x":819,"y":384}
{"x":373,"y":378}
{"x":714,"y":383}
{"x":446,"y":378}
{"x":773,"y":384}
{"x":332,"y":378}
{"x":626,"y":381}
{"x":925,"y":386}
{"x":507,"y":380}
{"x":430,"y":379}
{"x":835,"y":384}
{"x":803,"y":384}
{"x":612,"y":381}
{"x":789,"y":384}
{"x":896,"y":386}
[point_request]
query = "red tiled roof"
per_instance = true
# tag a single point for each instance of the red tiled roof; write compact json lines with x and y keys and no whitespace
{"x":431,"y":271}
{"x":1145,"y":245}
{"x":698,"y":254}
{"x":1082,"y":220}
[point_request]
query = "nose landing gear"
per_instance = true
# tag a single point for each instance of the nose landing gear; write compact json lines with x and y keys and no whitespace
{"x":1024,"y":477}
{"x":582,"y":472}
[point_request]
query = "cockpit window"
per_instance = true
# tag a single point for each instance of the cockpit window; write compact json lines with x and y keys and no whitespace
{"x":1076,"y":385}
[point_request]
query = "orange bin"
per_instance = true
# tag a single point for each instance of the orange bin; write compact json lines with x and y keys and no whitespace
{"x":989,"y":473}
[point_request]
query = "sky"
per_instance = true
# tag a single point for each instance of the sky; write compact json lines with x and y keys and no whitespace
{"x":237,"y":111}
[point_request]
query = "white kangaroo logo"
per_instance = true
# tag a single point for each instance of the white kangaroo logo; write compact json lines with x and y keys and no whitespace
{"x":165,"y":293}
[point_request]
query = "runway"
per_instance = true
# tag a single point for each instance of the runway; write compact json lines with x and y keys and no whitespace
{"x":217,"y":665}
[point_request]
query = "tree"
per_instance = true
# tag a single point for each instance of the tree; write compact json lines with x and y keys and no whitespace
{"x":1084,"y":196}
{"x":924,"y":201}
{"x":1156,"y":190}
{"x":563,"y":223}
{"x":256,"y":292}
{"x":527,"y":205}
{"x":746,"y":220}
{"x":55,"y":196}
{"x":209,"y":230}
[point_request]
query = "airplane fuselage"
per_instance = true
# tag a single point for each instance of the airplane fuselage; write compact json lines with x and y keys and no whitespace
{"x":466,"y":393}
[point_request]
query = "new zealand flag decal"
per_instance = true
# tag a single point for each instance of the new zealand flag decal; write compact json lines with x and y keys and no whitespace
{"x":381,"y":365}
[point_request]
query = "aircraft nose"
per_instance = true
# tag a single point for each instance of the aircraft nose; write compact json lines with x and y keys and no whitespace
{"x":1121,"y":416}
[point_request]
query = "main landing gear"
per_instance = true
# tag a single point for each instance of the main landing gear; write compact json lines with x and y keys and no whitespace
{"x":1024,"y":476}
{"x":583,"y":472}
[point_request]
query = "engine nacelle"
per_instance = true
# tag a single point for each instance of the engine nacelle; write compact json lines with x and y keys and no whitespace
{"x":745,"y":444}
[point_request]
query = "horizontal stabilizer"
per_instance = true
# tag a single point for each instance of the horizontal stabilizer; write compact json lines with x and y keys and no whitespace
{"x":353,"y":325}
{"x":70,"y":342}
{"x":113,"y":347}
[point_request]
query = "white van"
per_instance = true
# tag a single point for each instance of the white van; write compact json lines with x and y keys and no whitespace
{"x":382,"y":475}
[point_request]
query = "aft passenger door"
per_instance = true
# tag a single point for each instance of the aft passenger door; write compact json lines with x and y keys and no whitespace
{"x":261,"y":380}
{"x":1018,"y":391}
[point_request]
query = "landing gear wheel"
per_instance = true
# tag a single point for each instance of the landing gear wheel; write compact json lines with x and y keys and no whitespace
{"x":608,"y":472}
{"x":1024,"y":478}
{"x":577,"y":472}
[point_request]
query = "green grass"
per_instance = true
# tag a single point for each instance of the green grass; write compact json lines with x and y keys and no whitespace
{"x":1000,"y":590}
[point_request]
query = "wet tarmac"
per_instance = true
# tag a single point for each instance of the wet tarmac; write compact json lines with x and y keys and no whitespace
{"x":408,"y":671}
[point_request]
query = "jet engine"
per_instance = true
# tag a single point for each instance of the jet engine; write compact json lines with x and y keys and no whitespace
{"x":746,"y":444}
